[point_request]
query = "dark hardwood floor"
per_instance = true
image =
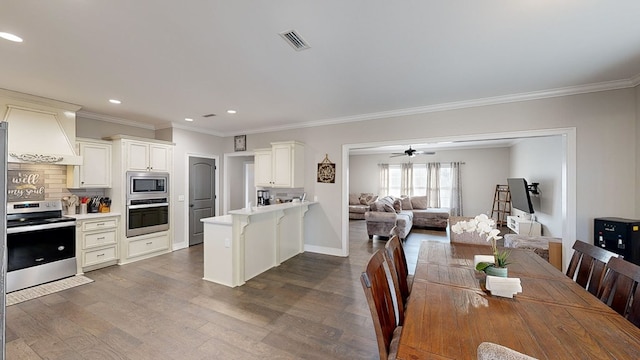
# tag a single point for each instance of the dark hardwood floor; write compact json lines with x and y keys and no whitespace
{"x":310,"y":307}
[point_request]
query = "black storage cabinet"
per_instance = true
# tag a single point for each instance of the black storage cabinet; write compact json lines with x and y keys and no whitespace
{"x":621,"y":236}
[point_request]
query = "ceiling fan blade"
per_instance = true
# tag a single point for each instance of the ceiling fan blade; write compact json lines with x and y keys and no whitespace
{"x":425,"y":152}
{"x":396,"y":155}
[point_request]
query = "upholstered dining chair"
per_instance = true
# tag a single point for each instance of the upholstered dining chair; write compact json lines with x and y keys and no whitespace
{"x":491,"y":351}
{"x":588,"y":264}
{"x":384,"y":305}
{"x":398,"y":260}
{"x":620,"y":289}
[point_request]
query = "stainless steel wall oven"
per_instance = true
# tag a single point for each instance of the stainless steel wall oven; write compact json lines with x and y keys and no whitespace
{"x":145,"y":216}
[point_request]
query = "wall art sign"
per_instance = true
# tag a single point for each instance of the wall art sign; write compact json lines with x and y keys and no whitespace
{"x":326,"y":171}
{"x":23,"y":185}
{"x":240,"y":143}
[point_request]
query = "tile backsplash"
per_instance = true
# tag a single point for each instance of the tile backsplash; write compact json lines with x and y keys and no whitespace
{"x":55,"y":181}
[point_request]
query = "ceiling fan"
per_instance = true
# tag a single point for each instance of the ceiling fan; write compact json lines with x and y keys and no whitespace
{"x":410,"y":152}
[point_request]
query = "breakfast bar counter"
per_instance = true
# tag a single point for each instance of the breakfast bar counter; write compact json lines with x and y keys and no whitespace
{"x":247,"y":242}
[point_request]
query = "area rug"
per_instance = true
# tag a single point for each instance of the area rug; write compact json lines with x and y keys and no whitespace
{"x":19,"y":296}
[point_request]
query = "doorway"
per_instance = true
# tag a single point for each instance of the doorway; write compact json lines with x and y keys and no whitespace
{"x":202,"y":196}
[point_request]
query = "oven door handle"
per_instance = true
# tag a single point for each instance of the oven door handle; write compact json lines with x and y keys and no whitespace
{"x":21,"y":229}
{"x":146,"y":206}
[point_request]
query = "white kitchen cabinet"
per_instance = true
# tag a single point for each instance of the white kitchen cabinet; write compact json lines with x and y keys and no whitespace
{"x":262,"y":167}
{"x":95,"y":171}
{"x":524,"y":227}
{"x":282,"y":166}
{"x":143,"y":156}
{"x":145,"y":246}
{"x":140,"y":155}
{"x":96,"y":241}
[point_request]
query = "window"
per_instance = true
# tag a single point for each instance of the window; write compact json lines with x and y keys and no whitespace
{"x":445,"y":184}
{"x":419,"y":182}
{"x":395,"y":180}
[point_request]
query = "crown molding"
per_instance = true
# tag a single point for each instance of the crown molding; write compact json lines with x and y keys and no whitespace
{"x":456,"y":105}
{"x":34,"y":99}
{"x":197,"y":129}
{"x":635,"y":81}
{"x":496,"y":100}
{"x":113,"y":119}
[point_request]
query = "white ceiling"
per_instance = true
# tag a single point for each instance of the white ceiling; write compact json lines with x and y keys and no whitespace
{"x":167,"y":60}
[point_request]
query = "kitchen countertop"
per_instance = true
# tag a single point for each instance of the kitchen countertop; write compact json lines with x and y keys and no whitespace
{"x":268,"y":208}
{"x":218,"y":220}
{"x":227,"y":219}
{"x":92,"y":215}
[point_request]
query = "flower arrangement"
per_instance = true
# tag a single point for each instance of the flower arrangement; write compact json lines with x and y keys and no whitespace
{"x":482,"y":224}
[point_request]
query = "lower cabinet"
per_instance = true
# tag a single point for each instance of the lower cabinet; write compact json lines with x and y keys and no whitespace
{"x":97,"y":242}
{"x":144,"y":246}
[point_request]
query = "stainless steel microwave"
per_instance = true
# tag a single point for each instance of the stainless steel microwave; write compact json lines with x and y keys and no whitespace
{"x":147,"y":185}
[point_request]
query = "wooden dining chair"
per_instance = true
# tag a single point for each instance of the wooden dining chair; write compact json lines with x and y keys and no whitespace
{"x":386,"y":311}
{"x":398,"y":263}
{"x":620,"y":289}
{"x":588,"y":264}
{"x":491,"y":351}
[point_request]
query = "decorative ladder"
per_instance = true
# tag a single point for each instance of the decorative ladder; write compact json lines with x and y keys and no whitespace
{"x":501,"y":205}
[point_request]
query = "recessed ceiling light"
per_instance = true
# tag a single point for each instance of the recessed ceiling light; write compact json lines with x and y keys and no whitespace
{"x":10,"y":37}
{"x":114,"y":101}
{"x":188,"y":119}
{"x":231,"y":111}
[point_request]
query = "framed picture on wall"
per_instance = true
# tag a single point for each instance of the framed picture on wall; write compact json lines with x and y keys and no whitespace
{"x":240,"y":143}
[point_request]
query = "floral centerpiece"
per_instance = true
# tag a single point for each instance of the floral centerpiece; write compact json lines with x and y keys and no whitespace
{"x":482,"y":224}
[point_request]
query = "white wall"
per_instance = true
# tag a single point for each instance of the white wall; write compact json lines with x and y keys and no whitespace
{"x":539,"y":160}
{"x":235,"y":191}
{"x":606,"y":144}
{"x":605,"y":124}
{"x":189,"y":143}
{"x":482,"y":171}
{"x":96,"y":129}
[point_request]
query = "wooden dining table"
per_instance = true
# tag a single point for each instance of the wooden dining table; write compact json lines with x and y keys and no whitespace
{"x":449,"y":312}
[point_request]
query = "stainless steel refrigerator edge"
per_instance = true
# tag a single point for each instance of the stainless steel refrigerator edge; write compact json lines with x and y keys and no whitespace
{"x":3,"y":225}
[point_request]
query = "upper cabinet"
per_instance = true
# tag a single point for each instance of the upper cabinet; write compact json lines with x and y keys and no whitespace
{"x":282,"y":166}
{"x":145,"y":156}
{"x":262,"y":167}
{"x":95,"y":171}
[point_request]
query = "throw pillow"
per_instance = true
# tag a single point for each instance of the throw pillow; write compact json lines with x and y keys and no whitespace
{"x":419,"y":202}
{"x":354,"y":199}
{"x":387,"y":204}
{"x":367,"y":198}
{"x":406,"y":203}
{"x":377,"y":206}
{"x":397,"y":205}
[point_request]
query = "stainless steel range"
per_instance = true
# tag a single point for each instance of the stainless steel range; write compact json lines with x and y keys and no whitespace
{"x":41,"y":244}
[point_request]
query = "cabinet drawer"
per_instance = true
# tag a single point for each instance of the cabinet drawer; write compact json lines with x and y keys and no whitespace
{"x":98,"y":239}
{"x":148,"y":245}
{"x":99,"y":256}
{"x":97,"y":225}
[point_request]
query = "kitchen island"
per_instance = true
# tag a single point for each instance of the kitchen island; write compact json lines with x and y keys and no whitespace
{"x":247,"y":242}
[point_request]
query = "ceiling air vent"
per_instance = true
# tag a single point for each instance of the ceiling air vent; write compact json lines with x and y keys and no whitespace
{"x":208,"y":115}
{"x":295,"y":40}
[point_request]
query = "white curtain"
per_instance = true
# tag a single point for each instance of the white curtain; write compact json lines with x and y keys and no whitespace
{"x":406,"y":187}
{"x":383,"y":188}
{"x":456,"y":190}
{"x":433,"y":185}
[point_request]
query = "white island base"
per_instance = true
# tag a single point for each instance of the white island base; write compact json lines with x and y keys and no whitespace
{"x":246,"y":243}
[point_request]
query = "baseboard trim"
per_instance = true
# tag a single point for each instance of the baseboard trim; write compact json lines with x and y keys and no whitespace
{"x":323,"y":250}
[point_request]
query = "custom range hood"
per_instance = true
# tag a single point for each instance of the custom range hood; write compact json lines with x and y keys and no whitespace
{"x":41,"y":131}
